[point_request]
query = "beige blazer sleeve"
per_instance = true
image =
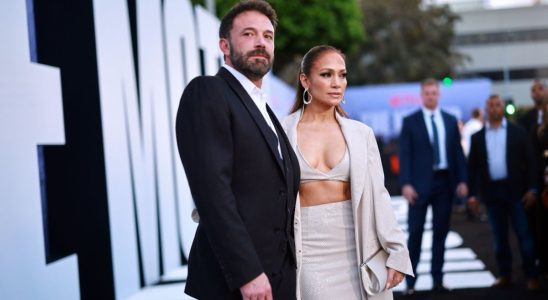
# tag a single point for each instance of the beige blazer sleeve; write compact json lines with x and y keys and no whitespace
{"x":374,"y":219}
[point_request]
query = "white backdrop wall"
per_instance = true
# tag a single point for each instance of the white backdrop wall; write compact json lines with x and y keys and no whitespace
{"x":105,"y":211}
{"x":28,"y":91}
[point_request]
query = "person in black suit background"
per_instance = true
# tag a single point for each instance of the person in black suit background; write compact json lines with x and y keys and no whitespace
{"x":432,"y":168}
{"x":537,"y":214}
{"x":242,"y":171}
{"x":502,"y":171}
{"x":533,"y":117}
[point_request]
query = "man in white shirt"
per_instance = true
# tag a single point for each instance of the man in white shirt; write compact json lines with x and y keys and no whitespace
{"x":502,"y":171}
{"x":473,"y":125}
{"x":432,"y":170}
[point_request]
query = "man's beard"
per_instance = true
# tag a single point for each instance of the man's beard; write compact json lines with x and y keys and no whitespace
{"x":538,"y":100}
{"x":253,"y":69}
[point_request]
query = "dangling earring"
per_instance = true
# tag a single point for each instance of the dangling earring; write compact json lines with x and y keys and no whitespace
{"x":306,"y":100}
{"x":343,"y":101}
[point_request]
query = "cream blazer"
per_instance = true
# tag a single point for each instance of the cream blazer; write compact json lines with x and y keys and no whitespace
{"x":374,"y":220}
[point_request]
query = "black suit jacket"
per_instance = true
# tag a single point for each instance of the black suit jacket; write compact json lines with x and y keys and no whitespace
{"x":417,"y":158}
{"x":244,"y":192}
{"x":529,"y":120}
{"x":520,"y":164}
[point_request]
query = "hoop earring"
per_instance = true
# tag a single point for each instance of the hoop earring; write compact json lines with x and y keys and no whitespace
{"x":306,"y":100}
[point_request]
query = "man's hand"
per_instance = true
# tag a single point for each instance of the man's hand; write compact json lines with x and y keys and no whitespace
{"x":257,"y":289}
{"x":409,"y":193}
{"x":473,"y":205}
{"x":393,"y":278}
{"x":462,"y":190}
{"x":529,"y":199}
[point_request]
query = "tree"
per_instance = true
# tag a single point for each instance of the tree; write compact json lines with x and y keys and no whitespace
{"x":306,"y":23}
{"x":406,"y":42}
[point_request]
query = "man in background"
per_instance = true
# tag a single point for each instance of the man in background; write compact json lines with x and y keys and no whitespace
{"x":242,"y":171}
{"x":432,"y":169}
{"x":502,"y":170}
{"x":536,"y":214}
{"x":472,"y":126}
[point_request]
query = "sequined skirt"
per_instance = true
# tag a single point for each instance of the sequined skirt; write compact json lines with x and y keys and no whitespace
{"x":329,"y":264}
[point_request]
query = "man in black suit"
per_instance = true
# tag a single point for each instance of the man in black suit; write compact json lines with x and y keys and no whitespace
{"x":537,"y":214}
{"x":501,"y":170}
{"x":432,"y":169}
{"x":533,"y":117}
{"x":241,"y":169}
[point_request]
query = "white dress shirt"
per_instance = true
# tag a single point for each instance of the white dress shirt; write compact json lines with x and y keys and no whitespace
{"x":471,"y":127}
{"x":258,"y":96}
{"x":438,"y":119}
{"x":495,"y":139}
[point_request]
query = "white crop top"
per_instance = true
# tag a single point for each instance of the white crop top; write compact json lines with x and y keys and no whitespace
{"x":340,"y":172}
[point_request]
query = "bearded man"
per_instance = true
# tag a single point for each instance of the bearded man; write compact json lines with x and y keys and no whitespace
{"x":242,"y":171}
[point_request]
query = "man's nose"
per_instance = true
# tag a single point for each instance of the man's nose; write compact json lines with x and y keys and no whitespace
{"x":260,"y":41}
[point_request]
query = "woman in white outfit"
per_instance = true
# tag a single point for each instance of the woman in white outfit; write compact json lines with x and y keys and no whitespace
{"x":343,"y":215}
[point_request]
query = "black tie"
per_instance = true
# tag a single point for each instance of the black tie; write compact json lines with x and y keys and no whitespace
{"x":435,"y":142}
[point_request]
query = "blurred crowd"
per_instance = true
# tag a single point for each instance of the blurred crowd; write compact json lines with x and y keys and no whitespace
{"x":497,"y":173}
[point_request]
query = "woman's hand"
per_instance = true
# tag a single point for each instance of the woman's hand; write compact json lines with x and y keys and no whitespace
{"x":393,"y":278}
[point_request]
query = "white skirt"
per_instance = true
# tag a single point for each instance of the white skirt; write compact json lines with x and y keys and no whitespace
{"x":329,"y":264}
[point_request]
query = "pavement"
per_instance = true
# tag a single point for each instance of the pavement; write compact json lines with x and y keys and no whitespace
{"x":476,"y":235}
{"x":470,"y":266}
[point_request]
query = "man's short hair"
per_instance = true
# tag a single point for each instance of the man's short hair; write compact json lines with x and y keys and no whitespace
{"x":493,"y":96}
{"x":539,"y":82}
{"x":429,"y":81}
{"x":476,"y":113}
{"x":260,"y":6}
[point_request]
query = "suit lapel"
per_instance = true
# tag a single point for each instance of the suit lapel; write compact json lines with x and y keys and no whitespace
{"x":357,"y":148}
{"x":256,"y":115}
{"x":446,"y":127}
{"x":280,"y":139}
{"x":509,"y":144}
{"x":290,"y":126}
{"x":482,"y":146}
{"x":423,"y":131}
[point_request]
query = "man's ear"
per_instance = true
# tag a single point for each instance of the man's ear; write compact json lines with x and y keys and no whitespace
{"x":224,"y":45}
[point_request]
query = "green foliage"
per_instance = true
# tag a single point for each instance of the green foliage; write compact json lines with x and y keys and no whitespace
{"x":304,"y":24}
{"x":406,"y":42}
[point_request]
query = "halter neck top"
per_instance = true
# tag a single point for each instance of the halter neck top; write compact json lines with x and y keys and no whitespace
{"x":341,"y":172}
